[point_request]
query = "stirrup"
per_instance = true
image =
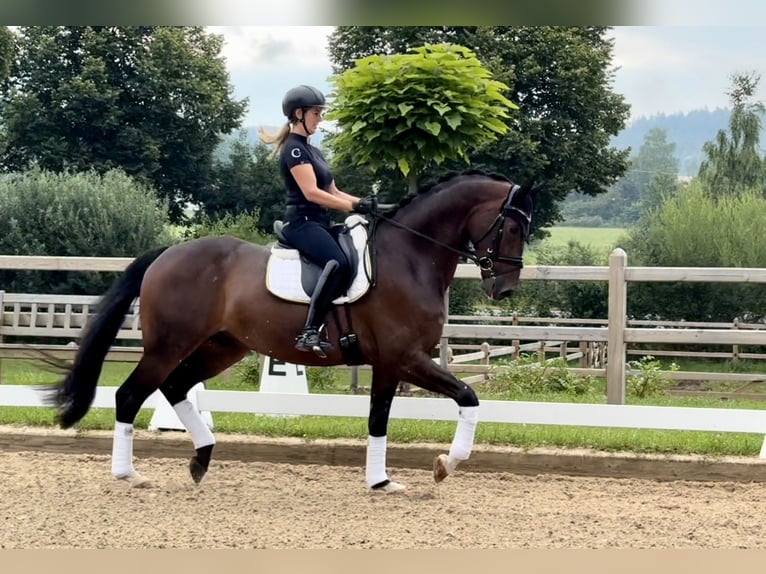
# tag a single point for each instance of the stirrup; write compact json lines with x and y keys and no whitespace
{"x":309,"y":340}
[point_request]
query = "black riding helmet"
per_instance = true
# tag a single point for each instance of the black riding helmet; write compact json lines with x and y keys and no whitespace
{"x":301,"y":97}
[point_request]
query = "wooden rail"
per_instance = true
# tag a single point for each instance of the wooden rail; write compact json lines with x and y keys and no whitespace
{"x":59,"y":316}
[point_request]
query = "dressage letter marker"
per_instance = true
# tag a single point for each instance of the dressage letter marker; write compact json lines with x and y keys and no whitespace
{"x":280,"y":377}
{"x":165,"y":418}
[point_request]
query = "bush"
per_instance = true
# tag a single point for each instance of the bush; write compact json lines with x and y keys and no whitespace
{"x":248,"y":371}
{"x":581,"y":299}
{"x":76,"y":215}
{"x":321,"y":378}
{"x":244,"y":226}
{"x":527,"y":376}
{"x":650,"y":380}
{"x":694,"y":229}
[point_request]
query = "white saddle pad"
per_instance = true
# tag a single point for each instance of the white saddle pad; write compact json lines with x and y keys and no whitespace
{"x":283,"y":272}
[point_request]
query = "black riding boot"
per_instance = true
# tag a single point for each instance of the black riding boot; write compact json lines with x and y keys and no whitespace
{"x":321,"y":298}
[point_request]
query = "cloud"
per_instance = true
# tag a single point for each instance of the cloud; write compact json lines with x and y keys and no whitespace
{"x":253,"y":48}
{"x":665,"y":69}
{"x":641,"y":48}
{"x":704,"y":12}
{"x":660,"y":69}
{"x":266,"y":61}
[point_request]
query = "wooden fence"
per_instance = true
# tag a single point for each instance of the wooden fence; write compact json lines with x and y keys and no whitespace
{"x":63,"y":316}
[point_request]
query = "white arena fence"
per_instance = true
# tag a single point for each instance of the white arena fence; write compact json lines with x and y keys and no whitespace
{"x":617,"y":335}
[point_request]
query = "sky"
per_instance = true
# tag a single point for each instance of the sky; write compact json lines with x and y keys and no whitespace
{"x":659,"y":69}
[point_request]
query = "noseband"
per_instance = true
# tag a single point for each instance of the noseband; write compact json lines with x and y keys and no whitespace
{"x":486,"y":262}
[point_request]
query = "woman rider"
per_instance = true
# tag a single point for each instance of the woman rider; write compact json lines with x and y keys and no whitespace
{"x":311,"y":194}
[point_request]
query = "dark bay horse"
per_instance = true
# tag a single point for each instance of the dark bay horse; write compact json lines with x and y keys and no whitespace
{"x":204,"y":305}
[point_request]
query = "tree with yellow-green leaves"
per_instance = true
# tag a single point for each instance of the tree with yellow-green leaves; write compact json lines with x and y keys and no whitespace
{"x":409,"y":111}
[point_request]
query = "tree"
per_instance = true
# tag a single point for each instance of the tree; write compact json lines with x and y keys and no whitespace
{"x":734,"y":161}
{"x":151,"y":100}
{"x":7,"y":46}
{"x":247,"y":179}
{"x":561,"y":79}
{"x":7,"y":50}
{"x":652,"y":172}
{"x":408,"y":110}
{"x":658,"y":164}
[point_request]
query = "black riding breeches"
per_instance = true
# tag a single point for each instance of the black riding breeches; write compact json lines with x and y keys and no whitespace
{"x":316,"y":242}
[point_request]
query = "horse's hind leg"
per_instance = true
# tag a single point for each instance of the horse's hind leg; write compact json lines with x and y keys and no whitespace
{"x":142,"y":382}
{"x":210,"y":358}
{"x":382,"y":393}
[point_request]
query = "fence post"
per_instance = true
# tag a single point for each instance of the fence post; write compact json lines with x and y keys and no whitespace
{"x":516,"y":343}
{"x":2,"y":313}
{"x":615,"y":361}
{"x":354,"y":379}
{"x":444,"y":343}
{"x":485,"y":350}
{"x":735,"y":348}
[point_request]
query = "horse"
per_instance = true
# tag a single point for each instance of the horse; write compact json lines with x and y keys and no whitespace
{"x":417,"y":245}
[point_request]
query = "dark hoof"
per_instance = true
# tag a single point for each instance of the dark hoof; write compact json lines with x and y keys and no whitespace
{"x":196,"y":470}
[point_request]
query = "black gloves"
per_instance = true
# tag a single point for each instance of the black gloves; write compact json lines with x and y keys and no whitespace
{"x":366,"y":205}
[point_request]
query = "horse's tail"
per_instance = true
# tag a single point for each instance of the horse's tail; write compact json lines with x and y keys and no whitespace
{"x":75,"y":393}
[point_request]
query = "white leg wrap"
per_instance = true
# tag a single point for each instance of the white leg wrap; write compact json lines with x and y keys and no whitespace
{"x":191,"y":418}
{"x":122,"y":450}
{"x":466,"y":428}
{"x":376,"y":460}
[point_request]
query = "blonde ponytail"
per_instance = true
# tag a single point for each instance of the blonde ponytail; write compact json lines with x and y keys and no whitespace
{"x":278,"y":140}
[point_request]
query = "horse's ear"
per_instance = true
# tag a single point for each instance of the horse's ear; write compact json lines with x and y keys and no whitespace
{"x":528,"y":191}
{"x":531,"y":188}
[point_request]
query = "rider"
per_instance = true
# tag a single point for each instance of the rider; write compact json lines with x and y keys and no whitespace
{"x":311,"y":193}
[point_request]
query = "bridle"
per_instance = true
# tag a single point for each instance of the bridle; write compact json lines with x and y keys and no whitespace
{"x":487,"y":261}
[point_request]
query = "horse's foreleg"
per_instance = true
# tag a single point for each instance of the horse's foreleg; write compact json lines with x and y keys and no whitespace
{"x":428,"y":375}
{"x":381,"y":396}
{"x":462,"y":442}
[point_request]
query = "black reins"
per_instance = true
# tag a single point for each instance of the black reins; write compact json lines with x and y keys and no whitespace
{"x":488,"y":260}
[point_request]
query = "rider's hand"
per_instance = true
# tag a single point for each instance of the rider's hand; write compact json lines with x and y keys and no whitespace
{"x":366,"y":205}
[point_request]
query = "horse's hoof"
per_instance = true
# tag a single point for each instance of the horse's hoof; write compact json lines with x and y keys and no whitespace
{"x":441,"y":468}
{"x":136,"y":480}
{"x":196,"y":470}
{"x":390,"y":487}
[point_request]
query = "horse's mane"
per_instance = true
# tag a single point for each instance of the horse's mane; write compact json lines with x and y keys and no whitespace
{"x":433,"y":187}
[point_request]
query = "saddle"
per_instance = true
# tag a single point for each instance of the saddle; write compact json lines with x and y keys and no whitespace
{"x":291,"y":276}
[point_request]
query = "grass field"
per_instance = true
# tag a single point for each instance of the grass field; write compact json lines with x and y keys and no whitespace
{"x":597,"y":237}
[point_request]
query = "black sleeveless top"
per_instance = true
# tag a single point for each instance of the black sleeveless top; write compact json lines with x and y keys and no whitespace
{"x":296,"y":151}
